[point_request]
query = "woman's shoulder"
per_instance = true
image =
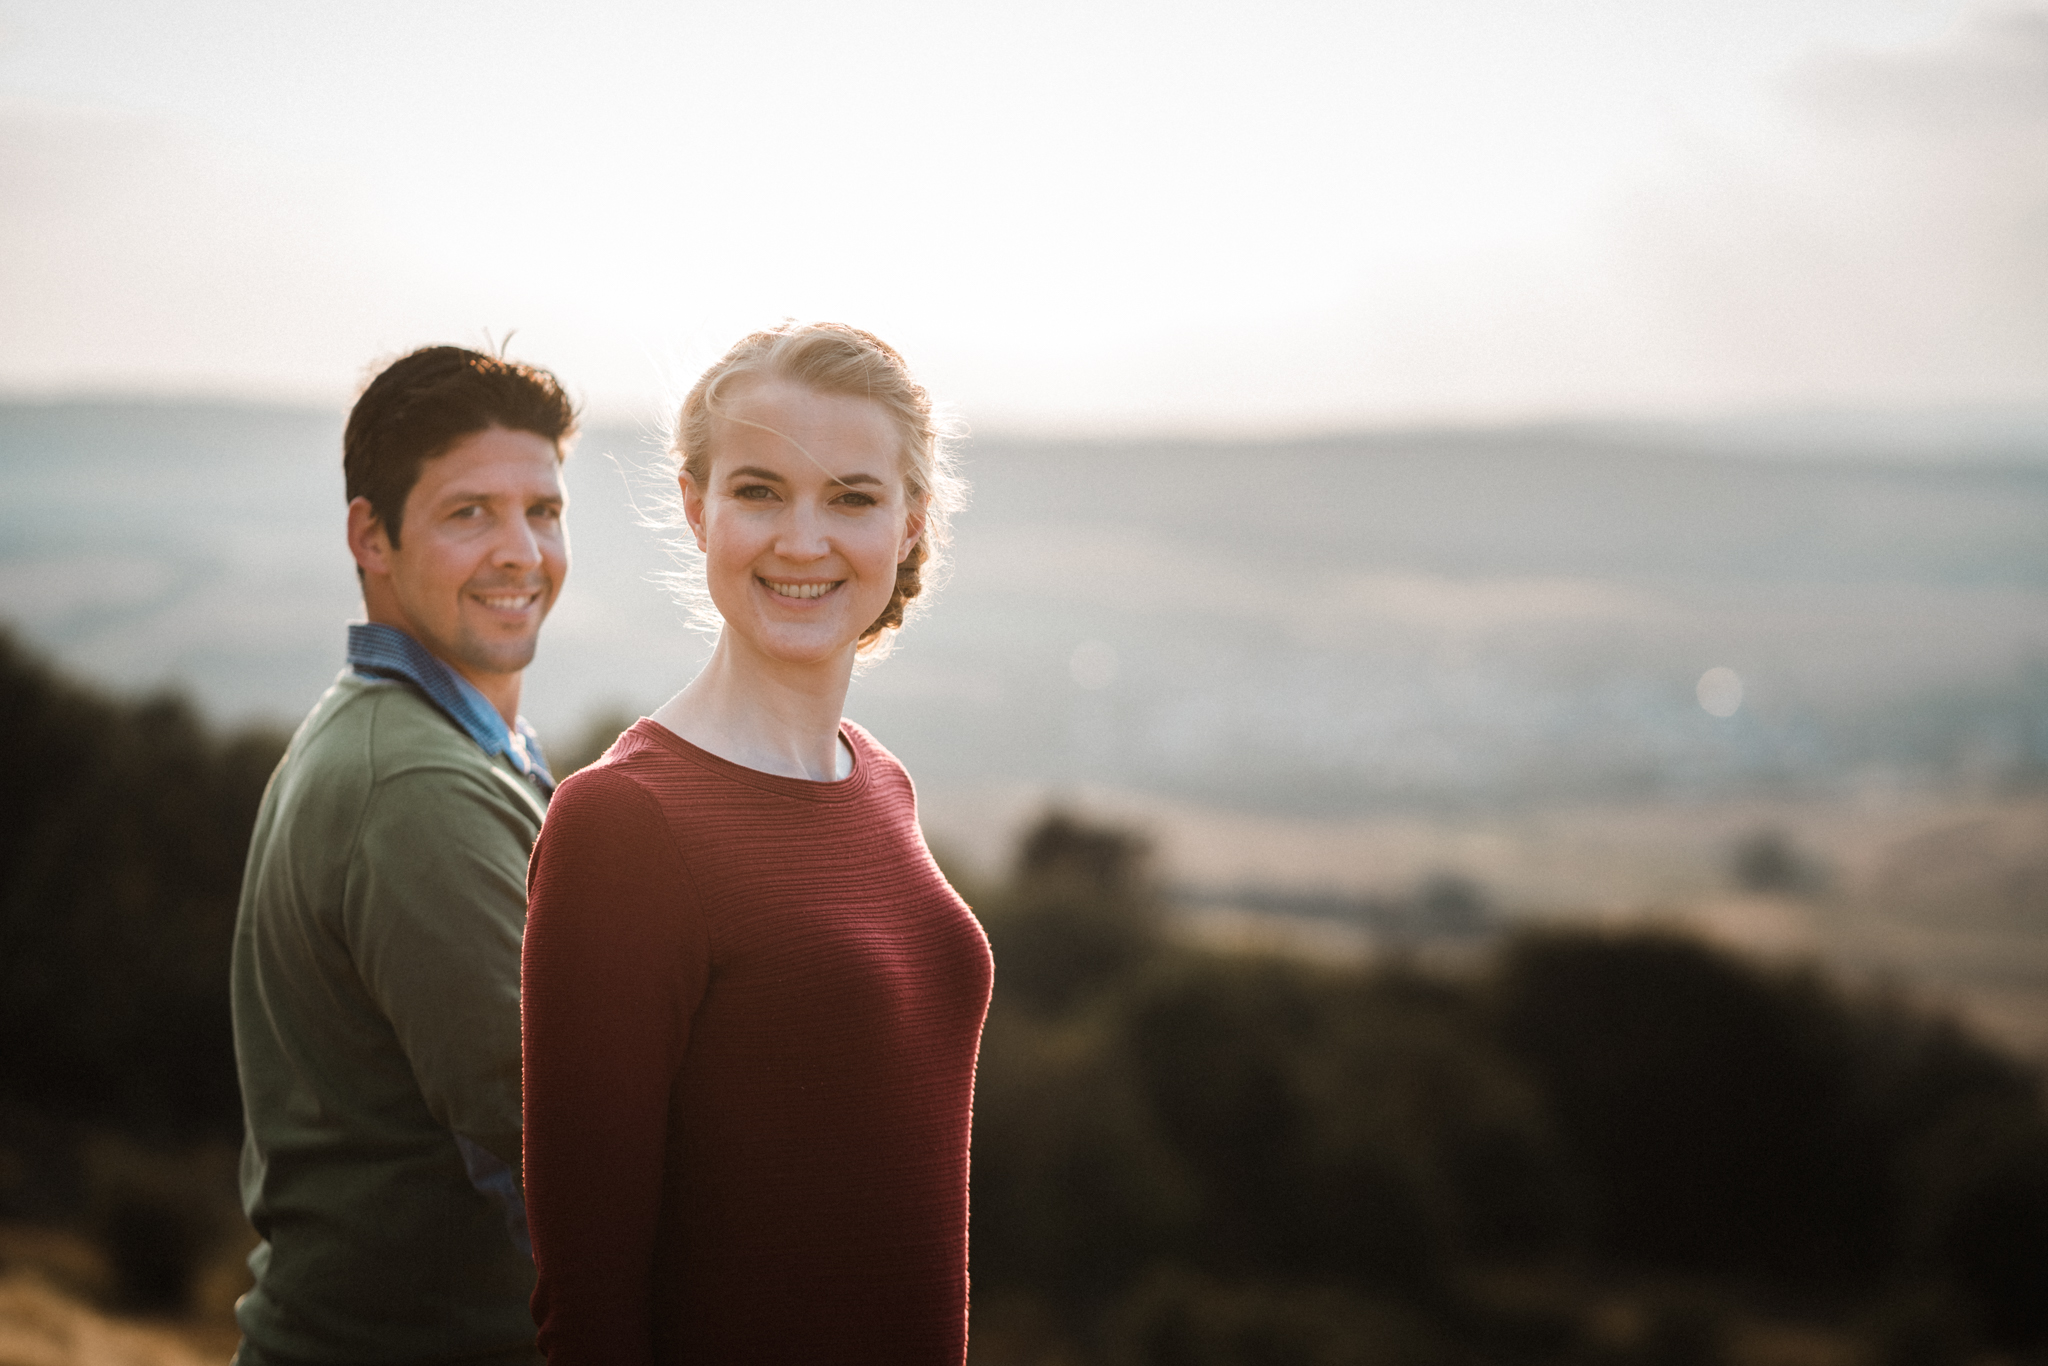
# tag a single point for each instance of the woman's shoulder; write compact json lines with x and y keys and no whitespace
{"x":882,"y":774}
{"x":603,"y":792}
{"x":633,"y":771}
{"x":868,"y":750}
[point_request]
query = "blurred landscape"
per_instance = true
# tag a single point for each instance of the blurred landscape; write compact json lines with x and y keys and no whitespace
{"x":1437,"y":619}
{"x":1396,"y":960}
{"x":1318,"y":672}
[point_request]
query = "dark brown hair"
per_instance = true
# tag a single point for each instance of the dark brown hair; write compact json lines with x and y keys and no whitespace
{"x":423,"y":403}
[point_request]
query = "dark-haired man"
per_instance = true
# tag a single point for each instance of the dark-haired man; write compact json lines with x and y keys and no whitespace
{"x":376,"y":960}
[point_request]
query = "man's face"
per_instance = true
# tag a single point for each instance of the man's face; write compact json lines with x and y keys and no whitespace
{"x":482,"y":553}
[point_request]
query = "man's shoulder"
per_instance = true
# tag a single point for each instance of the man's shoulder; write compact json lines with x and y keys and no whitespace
{"x":384,"y":728}
{"x":381,"y":740}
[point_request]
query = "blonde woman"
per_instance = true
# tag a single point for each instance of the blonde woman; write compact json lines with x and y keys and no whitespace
{"x":752,"y":1003}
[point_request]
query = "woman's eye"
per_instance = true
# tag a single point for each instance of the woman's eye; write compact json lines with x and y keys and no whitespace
{"x":858,"y":500}
{"x":753,"y":493}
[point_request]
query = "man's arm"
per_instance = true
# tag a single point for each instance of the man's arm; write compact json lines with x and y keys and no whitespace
{"x":435,"y":907}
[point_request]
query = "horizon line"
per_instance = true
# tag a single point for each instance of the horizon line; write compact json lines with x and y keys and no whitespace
{"x":1765,"y":425}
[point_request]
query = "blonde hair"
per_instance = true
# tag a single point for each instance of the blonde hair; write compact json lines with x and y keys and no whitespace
{"x":833,"y":358}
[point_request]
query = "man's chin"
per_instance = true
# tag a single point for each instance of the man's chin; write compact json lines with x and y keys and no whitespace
{"x":497,"y":657}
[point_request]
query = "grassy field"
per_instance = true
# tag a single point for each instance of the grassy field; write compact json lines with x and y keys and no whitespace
{"x":50,"y":1284}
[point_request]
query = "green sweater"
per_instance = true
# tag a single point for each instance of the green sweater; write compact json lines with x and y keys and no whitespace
{"x":376,"y":1002}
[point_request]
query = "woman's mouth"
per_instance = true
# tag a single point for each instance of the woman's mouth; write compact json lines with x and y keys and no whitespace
{"x":784,"y":589}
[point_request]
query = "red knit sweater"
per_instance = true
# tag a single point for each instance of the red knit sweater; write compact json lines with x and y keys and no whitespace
{"x":752,"y":1006}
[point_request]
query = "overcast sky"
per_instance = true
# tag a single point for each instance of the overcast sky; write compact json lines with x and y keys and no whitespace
{"x":1070,"y":215}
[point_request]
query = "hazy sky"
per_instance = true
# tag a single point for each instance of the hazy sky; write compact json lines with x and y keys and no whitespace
{"x":1068,"y":214}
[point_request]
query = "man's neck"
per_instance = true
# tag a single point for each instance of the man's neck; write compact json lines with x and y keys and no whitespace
{"x":499,"y":689}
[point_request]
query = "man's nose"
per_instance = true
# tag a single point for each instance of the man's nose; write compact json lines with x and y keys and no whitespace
{"x":518,"y":546}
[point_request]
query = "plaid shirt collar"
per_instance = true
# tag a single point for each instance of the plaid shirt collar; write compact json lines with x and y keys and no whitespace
{"x":379,"y":651}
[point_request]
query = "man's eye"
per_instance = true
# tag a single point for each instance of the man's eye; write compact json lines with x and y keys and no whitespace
{"x":472,"y":511}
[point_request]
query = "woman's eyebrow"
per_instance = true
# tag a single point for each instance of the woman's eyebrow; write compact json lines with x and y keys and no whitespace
{"x":757,"y":472}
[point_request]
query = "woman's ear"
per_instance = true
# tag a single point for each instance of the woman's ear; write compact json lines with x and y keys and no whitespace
{"x":913,"y":527}
{"x":693,"y":509}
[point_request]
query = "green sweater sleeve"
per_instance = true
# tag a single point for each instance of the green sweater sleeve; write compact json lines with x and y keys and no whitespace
{"x":434,"y":911}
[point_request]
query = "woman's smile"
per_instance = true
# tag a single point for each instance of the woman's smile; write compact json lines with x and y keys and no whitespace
{"x":785,"y":588}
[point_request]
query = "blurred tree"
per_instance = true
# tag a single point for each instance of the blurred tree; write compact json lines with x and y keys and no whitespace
{"x":1358,"y":1124}
{"x":1080,"y":912}
{"x":1074,"y":1191}
{"x":1983,"y":1226}
{"x":1452,"y":906}
{"x":159,"y":1216}
{"x":123,"y":830}
{"x":1768,"y":861}
{"x":1744,"y":1121}
{"x":1711,"y":1104}
{"x":599,"y":730}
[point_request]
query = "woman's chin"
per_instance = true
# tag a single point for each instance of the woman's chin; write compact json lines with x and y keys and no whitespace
{"x":808,"y":646}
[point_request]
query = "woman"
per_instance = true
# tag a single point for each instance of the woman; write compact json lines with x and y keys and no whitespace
{"x":751,"y":1002}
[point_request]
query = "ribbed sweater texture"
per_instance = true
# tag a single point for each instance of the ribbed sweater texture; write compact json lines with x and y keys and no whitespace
{"x":751,"y":1006}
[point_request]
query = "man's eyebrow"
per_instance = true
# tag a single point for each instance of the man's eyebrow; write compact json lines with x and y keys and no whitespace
{"x":457,"y":499}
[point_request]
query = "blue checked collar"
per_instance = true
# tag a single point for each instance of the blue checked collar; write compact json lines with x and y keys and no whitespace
{"x":379,"y":651}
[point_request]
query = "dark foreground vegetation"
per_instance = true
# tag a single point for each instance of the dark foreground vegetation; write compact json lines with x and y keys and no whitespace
{"x":1574,"y":1147}
{"x":1563,"y":1147}
{"x":123,"y":826}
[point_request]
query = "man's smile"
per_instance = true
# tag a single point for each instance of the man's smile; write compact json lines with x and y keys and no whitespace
{"x":509,"y":602}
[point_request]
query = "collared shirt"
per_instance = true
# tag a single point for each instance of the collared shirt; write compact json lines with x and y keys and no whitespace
{"x":379,"y":651}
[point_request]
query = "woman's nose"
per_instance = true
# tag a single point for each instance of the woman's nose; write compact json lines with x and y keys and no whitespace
{"x":802,"y":534}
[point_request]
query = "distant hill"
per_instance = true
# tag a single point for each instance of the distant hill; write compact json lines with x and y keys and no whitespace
{"x":1451,"y":614}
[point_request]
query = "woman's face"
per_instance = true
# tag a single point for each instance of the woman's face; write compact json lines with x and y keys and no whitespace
{"x":803,"y":519}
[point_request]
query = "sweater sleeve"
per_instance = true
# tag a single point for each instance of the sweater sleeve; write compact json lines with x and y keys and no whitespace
{"x":432,"y":909}
{"x":616,"y":959}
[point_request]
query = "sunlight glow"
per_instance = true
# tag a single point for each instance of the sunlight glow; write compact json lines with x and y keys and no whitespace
{"x":1069,"y":215}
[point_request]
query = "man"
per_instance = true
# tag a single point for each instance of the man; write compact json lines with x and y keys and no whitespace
{"x":376,"y":960}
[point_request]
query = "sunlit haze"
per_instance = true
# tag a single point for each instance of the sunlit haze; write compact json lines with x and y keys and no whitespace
{"x":1071,"y":216}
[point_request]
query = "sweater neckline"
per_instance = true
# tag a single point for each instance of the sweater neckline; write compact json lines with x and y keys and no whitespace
{"x":804,"y":789}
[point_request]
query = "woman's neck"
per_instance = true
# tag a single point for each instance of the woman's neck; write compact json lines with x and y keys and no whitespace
{"x":777,"y":719}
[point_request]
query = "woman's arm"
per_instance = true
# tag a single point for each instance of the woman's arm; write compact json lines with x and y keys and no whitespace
{"x":615,"y":961}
